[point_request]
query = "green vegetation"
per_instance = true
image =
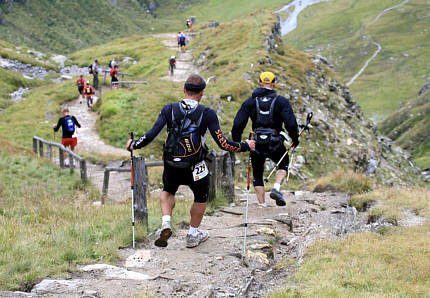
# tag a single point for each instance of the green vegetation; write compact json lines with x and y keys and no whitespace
{"x":335,"y":30}
{"x":392,"y":263}
{"x":48,"y":224}
{"x":410,"y":127}
{"x":65,"y":26}
{"x":343,"y":181}
{"x":10,"y":81}
{"x":35,"y":115}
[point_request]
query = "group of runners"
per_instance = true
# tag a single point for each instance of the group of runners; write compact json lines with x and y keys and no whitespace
{"x":184,"y":151}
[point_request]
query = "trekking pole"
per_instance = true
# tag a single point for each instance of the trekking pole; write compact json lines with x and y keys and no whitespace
{"x":132,"y":189}
{"x":308,"y":121}
{"x":291,"y":162}
{"x":251,"y":137}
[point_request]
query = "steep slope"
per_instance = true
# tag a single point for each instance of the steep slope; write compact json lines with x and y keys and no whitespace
{"x":410,"y":127}
{"x":346,"y":32}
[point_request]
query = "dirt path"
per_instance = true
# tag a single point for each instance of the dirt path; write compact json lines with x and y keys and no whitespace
{"x":215,"y":269}
{"x":379,"y":47}
{"x":90,"y":142}
{"x":184,"y":60}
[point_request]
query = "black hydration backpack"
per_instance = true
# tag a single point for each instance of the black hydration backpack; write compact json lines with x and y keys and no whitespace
{"x":90,"y":68}
{"x":184,"y":146}
{"x":266,"y":138}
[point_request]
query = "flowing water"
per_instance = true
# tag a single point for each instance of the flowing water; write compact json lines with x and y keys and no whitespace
{"x":294,"y":9}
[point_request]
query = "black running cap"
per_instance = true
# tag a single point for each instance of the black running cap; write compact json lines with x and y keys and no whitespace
{"x":195,"y":88}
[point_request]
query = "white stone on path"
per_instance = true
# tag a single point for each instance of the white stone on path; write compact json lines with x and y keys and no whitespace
{"x":116,"y":272}
{"x":57,"y":286}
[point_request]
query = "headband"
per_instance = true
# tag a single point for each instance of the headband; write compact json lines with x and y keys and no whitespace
{"x":195,"y":88}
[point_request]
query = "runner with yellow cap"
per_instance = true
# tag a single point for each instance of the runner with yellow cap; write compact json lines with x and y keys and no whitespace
{"x":268,"y":111}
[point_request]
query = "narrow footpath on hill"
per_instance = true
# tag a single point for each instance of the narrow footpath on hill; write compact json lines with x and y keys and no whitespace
{"x":276,"y":240}
{"x":379,"y":47}
{"x":184,"y":60}
{"x":90,"y":142}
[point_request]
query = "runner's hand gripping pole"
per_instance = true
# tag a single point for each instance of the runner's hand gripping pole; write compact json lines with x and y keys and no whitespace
{"x":305,"y":127}
{"x":251,"y":137}
{"x":132,"y":187}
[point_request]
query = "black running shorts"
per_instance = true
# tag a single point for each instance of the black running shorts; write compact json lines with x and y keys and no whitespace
{"x":173,"y":177}
{"x":81,"y":89}
{"x":258,"y":160}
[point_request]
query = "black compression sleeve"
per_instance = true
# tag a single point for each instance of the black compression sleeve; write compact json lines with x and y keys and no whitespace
{"x":218,"y":136}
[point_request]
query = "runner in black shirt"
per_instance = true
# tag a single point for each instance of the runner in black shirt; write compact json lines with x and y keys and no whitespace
{"x":194,"y":176}
{"x":268,"y":112}
{"x":67,"y":124}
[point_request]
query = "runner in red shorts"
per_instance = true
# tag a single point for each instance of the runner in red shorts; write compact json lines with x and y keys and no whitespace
{"x":67,"y":124}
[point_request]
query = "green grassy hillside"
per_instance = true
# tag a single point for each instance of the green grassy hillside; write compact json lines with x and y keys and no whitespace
{"x":65,"y":26}
{"x":335,"y":29}
{"x":410,"y":127}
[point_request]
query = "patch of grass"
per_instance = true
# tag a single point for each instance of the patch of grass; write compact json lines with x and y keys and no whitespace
{"x":344,"y":181}
{"x":10,"y":81}
{"x":284,"y":263}
{"x":391,"y":263}
{"x":48,"y":223}
{"x":35,"y":115}
{"x":409,"y":127}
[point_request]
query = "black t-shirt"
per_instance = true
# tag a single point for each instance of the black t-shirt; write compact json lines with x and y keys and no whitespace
{"x":62,"y":122}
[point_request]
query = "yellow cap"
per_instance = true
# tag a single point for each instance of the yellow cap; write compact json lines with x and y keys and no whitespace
{"x":267,"y":77}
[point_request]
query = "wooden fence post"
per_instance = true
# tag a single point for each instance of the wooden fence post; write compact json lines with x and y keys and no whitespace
{"x":83,"y":168}
{"x":227,"y":178}
{"x":34,"y":145}
{"x":105,"y":185}
{"x":61,"y":157}
{"x":40,"y":148}
{"x":212,"y":166}
{"x":140,"y":188}
{"x":71,"y":161}
{"x":50,"y":151}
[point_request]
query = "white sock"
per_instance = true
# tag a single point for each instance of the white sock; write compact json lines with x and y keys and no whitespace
{"x":165,"y":218}
{"x":264,"y":205}
{"x":193,"y":231}
{"x":277,"y":186}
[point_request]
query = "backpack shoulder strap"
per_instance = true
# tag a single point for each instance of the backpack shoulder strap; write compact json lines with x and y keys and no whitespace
{"x":272,"y":107}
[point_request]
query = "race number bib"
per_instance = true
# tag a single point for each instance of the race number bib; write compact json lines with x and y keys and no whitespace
{"x":200,"y":171}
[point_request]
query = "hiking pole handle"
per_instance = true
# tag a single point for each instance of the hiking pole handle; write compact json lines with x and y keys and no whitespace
{"x":132,"y":138}
{"x":308,"y":121}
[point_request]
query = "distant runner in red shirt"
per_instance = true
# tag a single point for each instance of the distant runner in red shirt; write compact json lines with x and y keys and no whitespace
{"x":89,"y":92}
{"x":80,"y":83}
{"x":114,"y":75}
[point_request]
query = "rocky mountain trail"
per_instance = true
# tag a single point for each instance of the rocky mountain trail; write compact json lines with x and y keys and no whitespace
{"x":276,"y":241}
